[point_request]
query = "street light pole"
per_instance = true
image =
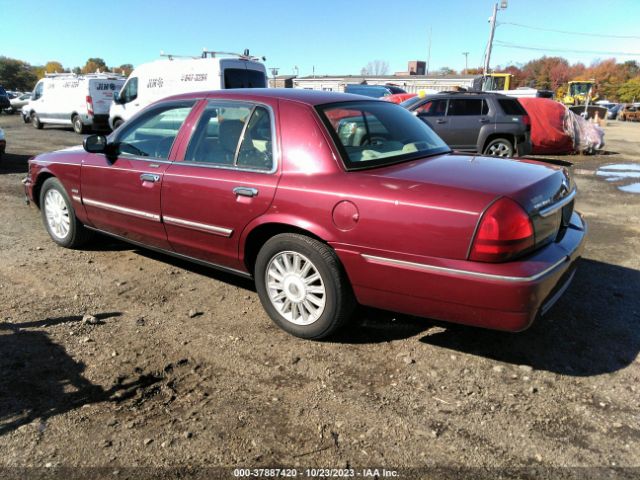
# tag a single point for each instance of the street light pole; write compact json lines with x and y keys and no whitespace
{"x":466,"y":64}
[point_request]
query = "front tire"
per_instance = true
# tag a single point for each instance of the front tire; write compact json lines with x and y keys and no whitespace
{"x":78,"y":126}
{"x":303,"y":286}
{"x":35,"y":121}
{"x":59,"y":217}
{"x":117,"y":123}
{"x":499,"y":147}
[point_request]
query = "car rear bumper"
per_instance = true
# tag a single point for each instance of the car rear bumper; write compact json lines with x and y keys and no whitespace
{"x":507,"y":296}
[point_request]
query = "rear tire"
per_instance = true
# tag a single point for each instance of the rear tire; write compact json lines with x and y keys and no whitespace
{"x":302,"y":286}
{"x":78,"y":126}
{"x":35,"y":121}
{"x":499,"y":147}
{"x":59,"y":218}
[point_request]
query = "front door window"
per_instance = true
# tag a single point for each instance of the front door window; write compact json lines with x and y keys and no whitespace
{"x":153,"y":134}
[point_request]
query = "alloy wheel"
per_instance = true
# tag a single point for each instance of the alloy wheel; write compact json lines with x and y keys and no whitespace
{"x":57,"y":214}
{"x":499,"y":150}
{"x":295,"y":288}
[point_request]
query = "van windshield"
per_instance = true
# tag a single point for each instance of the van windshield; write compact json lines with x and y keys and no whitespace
{"x":375,"y":133}
{"x":244,"y":78}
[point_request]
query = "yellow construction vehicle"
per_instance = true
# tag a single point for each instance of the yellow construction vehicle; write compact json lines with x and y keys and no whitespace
{"x":497,"y":81}
{"x":579,"y":91}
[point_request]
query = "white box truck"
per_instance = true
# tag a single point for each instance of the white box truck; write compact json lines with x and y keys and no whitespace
{"x":82,"y":101}
{"x":174,"y":75}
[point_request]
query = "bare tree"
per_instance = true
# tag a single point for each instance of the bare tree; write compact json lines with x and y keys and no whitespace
{"x":377,"y":67}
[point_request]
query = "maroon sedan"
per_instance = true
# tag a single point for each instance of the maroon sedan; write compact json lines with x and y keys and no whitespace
{"x":326,"y":200}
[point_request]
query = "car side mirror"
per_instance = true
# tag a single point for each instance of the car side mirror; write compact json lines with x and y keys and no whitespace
{"x":96,"y":144}
{"x":116,"y":98}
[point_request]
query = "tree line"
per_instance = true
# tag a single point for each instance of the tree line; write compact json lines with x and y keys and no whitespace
{"x":616,"y":81}
{"x":21,"y":76}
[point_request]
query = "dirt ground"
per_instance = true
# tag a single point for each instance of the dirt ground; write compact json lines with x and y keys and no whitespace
{"x":146,"y":384}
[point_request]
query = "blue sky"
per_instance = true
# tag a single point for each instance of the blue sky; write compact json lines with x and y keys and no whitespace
{"x":334,"y":36}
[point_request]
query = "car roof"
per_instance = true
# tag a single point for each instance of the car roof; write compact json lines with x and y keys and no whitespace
{"x":309,"y":97}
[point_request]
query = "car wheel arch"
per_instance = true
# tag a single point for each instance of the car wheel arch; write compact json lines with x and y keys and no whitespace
{"x":40,"y":179}
{"x":494,"y":136}
{"x":254,"y":238}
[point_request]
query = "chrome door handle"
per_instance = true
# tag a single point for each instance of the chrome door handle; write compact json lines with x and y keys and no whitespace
{"x":441,"y":121}
{"x":246,"y":191}
{"x":150,"y":177}
{"x":484,"y":120}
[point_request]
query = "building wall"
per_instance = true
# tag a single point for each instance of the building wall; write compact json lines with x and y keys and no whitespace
{"x":412,"y":84}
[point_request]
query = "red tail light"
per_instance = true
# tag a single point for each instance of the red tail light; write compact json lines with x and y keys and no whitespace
{"x":526,"y":119}
{"x":89,"y":105}
{"x":504,"y":231}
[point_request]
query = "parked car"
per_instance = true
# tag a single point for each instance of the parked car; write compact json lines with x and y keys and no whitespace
{"x":399,"y":97}
{"x":482,"y":122}
{"x":613,"y":111}
{"x":3,"y":143}
{"x":4,"y":100}
{"x":374,"y":91}
{"x":629,"y":113}
{"x":18,"y":102}
{"x":278,"y":186}
{"x":173,"y":75}
{"x":81,"y":101}
{"x":25,"y":113}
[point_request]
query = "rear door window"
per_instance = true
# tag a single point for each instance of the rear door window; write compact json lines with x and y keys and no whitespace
{"x":244,"y":78}
{"x":511,"y":106}
{"x":466,"y":106}
{"x":233,"y":135}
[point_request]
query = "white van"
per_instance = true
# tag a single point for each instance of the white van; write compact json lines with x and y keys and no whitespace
{"x":173,"y":75}
{"x":82,"y":101}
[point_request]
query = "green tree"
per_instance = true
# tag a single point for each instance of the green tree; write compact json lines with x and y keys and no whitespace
{"x":446,"y":71}
{"x":53,"y":67}
{"x":126,"y":69}
{"x":93,"y":65}
{"x":16,"y":74}
{"x":630,"y":91}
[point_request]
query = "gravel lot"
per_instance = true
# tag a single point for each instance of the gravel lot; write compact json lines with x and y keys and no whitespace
{"x":180,"y":367}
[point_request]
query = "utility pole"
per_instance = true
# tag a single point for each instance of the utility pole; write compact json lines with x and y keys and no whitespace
{"x":492,"y":29}
{"x":429,"y":50}
{"x":466,"y":63}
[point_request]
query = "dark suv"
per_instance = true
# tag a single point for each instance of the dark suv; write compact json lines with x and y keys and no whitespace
{"x":4,"y":99}
{"x":482,"y":122}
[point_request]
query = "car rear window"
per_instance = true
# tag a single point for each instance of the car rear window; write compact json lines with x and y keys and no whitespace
{"x":511,"y":106}
{"x":373,"y":133}
{"x":467,"y":106}
{"x":244,"y":78}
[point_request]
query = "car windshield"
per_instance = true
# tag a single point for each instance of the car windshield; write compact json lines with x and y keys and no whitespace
{"x":373,"y":134}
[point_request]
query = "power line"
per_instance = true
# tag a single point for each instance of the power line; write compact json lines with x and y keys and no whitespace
{"x":563,"y":50}
{"x":603,"y":35}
